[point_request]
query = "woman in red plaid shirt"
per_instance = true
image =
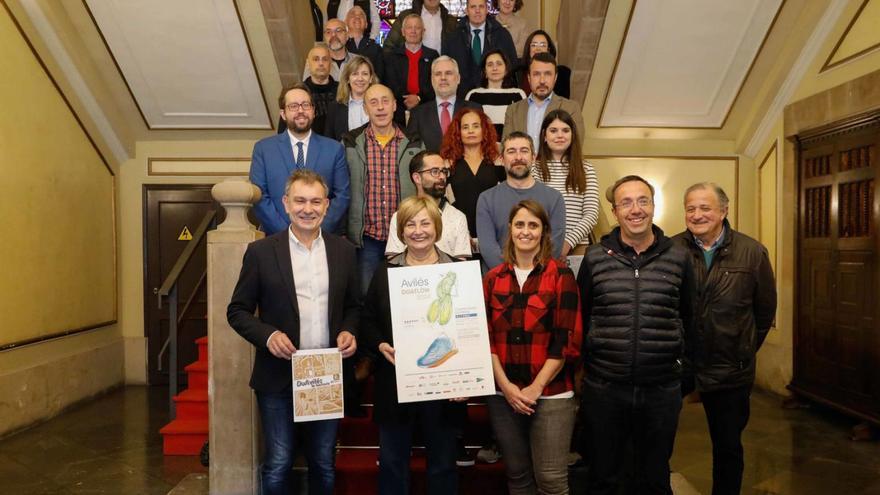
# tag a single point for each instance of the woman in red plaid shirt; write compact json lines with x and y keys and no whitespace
{"x":535,"y":335}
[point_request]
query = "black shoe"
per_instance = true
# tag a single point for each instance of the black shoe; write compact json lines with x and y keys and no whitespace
{"x":464,"y":458}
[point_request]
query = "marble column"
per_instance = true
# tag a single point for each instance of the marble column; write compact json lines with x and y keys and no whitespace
{"x":234,"y":440}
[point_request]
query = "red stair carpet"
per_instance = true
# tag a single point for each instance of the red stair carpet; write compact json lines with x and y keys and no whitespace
{"x":189,"y":430}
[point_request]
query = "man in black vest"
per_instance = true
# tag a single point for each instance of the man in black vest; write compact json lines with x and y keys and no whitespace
{"x":733,"y":314}
{"x":636,"y":288}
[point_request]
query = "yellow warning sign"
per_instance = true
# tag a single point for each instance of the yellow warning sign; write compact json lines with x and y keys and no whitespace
{"x":185,"y":234}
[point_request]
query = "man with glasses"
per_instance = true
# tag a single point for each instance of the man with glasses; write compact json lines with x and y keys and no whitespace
{"x":636,"y":288}
{"x":734,"y":311}
{"x":297,"y":147}
{"x":335,"y":39}
{"x":322,"y":86}
{"x":494,"y":204}
{"x":429,"y":172}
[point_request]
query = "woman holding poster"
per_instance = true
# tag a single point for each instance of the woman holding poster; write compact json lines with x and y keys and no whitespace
{"x":533,"y":311}
{"x":419,"y":226}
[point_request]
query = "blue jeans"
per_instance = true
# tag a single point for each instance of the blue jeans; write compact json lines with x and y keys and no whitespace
{"x":395,"y":444}
{"x":369,"y":257}
{"x":279,"y":437}
{"x":619,"y":413}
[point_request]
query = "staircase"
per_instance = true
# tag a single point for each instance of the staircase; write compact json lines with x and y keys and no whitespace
{"x":357,"y":452}
{"x":186,"y":434}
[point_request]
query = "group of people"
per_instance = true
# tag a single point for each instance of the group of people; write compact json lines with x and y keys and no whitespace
{"x":645,"y":320}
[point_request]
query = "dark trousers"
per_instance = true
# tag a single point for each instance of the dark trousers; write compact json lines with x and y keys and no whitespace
{"x":727,"y":412}
{"x":395,"y":445}
{"x":618,"y":415}
{"x":281,"y":441}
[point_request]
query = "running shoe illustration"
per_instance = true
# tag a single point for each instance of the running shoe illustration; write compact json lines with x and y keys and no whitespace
{"x":440,"y":350}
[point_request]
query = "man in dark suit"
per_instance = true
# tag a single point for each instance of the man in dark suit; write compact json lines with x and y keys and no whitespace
{"x":408,"y":68}
{"x":275,"y":157}
{"x":303,"y":285}
{"x":431,"y":119}
{"x":476,"y":34}
{"x":360,"y":43}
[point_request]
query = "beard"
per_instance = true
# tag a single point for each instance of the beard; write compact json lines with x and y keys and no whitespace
{"x":436,"y":191}
{"x":297,"y":129}
{"x":519,"y":170}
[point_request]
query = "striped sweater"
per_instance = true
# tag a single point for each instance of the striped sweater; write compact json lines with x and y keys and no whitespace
{"x":581,"y":210}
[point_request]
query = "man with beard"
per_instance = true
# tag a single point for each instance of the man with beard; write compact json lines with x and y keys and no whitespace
{"x":494,"y":205}
{"x":322,"y":86}
{"x":276,"y":157}
{"x":527,"y":115}
{"x":429,"y":173}
{"x":335,"y":38}
{"x":637,"y":288}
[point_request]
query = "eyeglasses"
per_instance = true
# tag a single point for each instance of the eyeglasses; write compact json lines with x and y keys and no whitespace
{"x":538,"y":44}
{"x":628,"y":203}
{"x":335,"y":31}
{"x":295,"y":107}
{"x":436,"y":172}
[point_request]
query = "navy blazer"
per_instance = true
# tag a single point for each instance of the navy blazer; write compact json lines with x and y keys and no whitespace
{"x":273,"y":162}
{"x":266,"y":285}
{"x":424,"y":120}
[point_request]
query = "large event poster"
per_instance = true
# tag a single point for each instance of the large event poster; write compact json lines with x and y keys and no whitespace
{"x":317,"y":384}
{"x":441,"y":339}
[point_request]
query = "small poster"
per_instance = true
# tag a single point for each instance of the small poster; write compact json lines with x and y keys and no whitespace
{"x":574,"y":262}
{"x":317,"y":384}
{"x":441,"y":338}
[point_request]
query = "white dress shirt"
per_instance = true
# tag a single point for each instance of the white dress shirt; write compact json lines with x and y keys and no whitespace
{"x":433,"y":37}
{"x":304,"y":141}
{"x":311,"y":277}
{"x":482,"y":35}
{"x":356,"y":114}
{"x":451,"y":101}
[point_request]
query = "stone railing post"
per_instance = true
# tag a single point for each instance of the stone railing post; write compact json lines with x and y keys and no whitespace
{"x":234,"y":442}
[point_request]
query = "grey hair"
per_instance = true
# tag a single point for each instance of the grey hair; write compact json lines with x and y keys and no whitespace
{"x":444,"y":58}
{"x":723,"y":200}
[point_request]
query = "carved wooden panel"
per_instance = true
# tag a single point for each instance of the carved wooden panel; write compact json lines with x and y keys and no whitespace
{"x":817,"y":209}
{"x":855,"y":208}
{"x":860,"y":157}
{"x":817,"y":166}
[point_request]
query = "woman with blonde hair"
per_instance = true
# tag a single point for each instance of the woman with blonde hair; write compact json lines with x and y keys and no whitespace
{"x":419,"y":226}
{"x":347,"y":112}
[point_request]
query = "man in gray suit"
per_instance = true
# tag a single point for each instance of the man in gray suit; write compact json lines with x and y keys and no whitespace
{"x":527,"y":115}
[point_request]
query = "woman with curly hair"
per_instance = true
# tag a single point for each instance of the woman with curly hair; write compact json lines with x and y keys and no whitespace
{"x":470,"y":147}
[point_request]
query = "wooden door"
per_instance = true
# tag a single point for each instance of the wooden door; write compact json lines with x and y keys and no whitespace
{"x":837,"y":341}
{"x":168,"y":209}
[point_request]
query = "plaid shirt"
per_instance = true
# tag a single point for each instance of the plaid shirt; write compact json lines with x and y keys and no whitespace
{"x":529,"y":326}
{"x":382,"y":189}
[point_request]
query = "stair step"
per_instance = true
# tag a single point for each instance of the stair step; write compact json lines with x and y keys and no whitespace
{"x":202,"y":344}
{"x":197,"y":375}
{"x":362,"y":432}
{"x":184,"y":437}
{"x":192,"y":404}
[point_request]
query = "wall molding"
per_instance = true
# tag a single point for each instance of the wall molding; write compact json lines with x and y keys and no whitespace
{"x":795,"y":75}
{"x":828,"y":65}
{"x":198,"y":167}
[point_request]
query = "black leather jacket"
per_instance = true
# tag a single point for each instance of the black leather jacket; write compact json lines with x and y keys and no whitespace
{"x":733,"y":309}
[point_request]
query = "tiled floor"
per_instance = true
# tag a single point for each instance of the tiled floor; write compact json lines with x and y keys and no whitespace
{"x":111,"y":446}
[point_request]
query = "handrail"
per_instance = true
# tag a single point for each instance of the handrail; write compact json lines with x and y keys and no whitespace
{"x":182,"y":315}
{"x":169,"y":290}
{"x":184,"y":257}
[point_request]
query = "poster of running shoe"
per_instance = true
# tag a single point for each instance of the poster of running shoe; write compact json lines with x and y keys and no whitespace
{"x":317,"y":384}
{"x":441,"y":339}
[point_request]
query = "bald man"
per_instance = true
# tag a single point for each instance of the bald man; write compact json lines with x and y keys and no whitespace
{"x":378,"y":156}
{"x":322,"y":86}
{"x":335,"y":38}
